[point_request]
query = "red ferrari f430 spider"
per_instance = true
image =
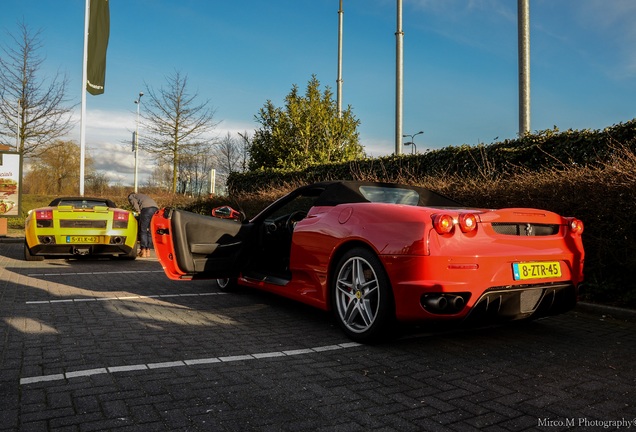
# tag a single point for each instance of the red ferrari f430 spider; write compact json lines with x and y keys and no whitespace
{"x":380,"y":253}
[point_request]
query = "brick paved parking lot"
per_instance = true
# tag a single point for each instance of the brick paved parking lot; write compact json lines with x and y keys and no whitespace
{"x":114,"y":345}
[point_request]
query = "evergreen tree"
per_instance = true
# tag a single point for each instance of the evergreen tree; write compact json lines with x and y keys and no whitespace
{"x":305,"y":132}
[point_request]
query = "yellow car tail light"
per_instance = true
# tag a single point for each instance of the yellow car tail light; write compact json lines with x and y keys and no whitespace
{"x":120,"y":219}
{"x":44,"y":218}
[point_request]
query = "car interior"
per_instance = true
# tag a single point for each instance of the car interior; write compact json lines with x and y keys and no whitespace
{"x":274,"y":239}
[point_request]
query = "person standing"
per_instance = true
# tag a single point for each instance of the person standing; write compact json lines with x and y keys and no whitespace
{"x":146,"y":207}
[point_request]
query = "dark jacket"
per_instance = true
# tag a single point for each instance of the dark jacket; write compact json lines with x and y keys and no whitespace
{"x":140,"y":201}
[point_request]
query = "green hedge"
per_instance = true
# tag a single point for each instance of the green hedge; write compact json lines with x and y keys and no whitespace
{"x":544,"y":150}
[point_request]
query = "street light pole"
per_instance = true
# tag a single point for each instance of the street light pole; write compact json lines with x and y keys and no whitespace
{"x":523,"y":29}
{"x":18,"y":124}
{"x":414,"y":146}
{"x":412,"y":142}
{"x":138,"y":103}
{"x":339,"y":79}
{"x":399,"y":76}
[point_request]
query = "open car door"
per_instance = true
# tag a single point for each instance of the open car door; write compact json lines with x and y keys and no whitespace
{"x":194,"y":246}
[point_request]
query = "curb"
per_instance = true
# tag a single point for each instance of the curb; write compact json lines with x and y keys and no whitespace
{"x":11,"y":239}
{"x":607,"y":311}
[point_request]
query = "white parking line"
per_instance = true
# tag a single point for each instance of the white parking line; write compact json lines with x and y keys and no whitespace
{"x":182,"y":363}
{"x":92,"y":273}
{"x":122,"y":298}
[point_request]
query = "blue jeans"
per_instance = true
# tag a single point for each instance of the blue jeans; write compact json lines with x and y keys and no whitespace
{"x":145,"y":238}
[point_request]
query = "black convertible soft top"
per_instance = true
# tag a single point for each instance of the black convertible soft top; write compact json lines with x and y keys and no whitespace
{"x":80,"y":202}
{"x":347,"y":191}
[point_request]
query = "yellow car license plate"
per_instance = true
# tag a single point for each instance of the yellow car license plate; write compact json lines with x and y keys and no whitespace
{"x":82,"y":239}
{"x":536,"y":270}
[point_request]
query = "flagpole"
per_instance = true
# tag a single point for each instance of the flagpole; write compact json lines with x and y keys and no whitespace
{"x":399,"y":78}
{"x":83,"y":110}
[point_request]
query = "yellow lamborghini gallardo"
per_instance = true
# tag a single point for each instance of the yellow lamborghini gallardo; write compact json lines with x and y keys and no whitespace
{"x":80,"y":226}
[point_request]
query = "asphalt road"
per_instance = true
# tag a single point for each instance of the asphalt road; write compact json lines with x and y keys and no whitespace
{"x":114,"y":345}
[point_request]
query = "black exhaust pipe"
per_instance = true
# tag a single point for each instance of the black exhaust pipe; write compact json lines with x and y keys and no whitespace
{"x":443,"y":303}
{"x":456,"y":302}
{"x":436,"y":302}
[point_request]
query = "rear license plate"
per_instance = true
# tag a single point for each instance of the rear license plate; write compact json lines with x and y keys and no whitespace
{"x":536,"y":270}
{"x":82,"y":239}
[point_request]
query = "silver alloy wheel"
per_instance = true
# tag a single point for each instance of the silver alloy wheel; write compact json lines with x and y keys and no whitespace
{"x":357,"y":294}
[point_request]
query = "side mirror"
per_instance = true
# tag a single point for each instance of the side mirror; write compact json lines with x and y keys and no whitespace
{"x":227,"y":212}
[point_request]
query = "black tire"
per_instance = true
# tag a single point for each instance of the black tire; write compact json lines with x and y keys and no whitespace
{"x":132,"y":255}
{"x":28,"y":256}
{"x":361,"y":297}
{"x":226,"y":284}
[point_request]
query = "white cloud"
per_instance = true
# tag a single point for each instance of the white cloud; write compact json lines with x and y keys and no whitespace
{"x":109,"y":143}
{"x":234,"y":128}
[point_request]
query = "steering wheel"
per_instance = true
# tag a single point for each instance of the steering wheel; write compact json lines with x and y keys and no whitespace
{"x":294,"y":217}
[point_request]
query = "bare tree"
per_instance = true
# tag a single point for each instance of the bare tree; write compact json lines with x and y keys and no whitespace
{"x":175,"y":124}
{"x":32,"y":111}
{"x":97,"y":183}
{"x":227,"y":156}
{"x":230,"y":156}
{"x":161,"y":177}
{"x":56,"y":170}
{"x":194,"y":169}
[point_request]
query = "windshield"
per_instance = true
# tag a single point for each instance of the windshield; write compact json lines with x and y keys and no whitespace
{"x":390,"y":195}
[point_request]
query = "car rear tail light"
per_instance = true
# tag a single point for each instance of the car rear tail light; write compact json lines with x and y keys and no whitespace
{"x":443,"y":223}
{"x":120,"y":219}
{"x":44,"y":214}
{"x":120,"y":215}
{"x":576,"y":226}
{"x":467,"y":222}
{"x":44,"y":218}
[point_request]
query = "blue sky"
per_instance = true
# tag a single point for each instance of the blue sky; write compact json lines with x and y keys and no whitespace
{"x":460,"y":64}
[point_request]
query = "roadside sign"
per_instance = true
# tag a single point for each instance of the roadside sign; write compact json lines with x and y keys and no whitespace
{"x":10,"y":178}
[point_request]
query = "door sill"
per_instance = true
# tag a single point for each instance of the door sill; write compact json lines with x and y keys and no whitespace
{"x":254,"y":276}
